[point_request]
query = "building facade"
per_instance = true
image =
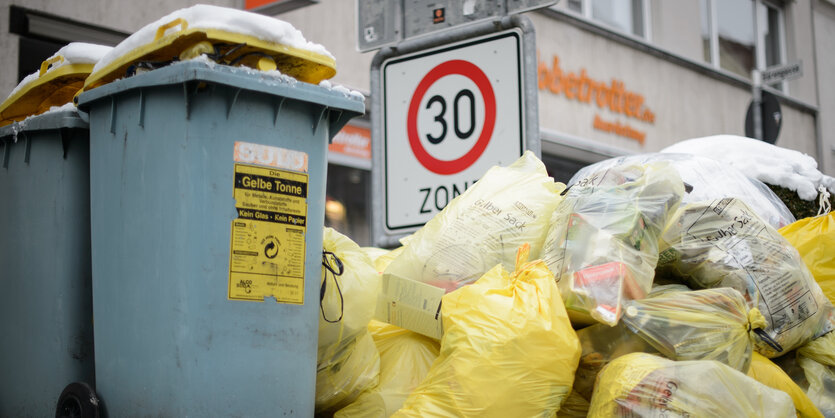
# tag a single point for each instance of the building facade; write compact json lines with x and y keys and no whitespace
{"x":614,"y":77}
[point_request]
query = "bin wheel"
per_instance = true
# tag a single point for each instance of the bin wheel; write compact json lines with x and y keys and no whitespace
{"x":78,"y":400}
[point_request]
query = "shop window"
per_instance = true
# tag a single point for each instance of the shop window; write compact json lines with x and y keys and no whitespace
{"x":561,"y":168}
{"x":773,"y":37}
{"x":32,"y":53}
{"x":624,"y":16}
{"x":736,"y":39}
{"x":348,"y":201}
{"x":42,"y":34}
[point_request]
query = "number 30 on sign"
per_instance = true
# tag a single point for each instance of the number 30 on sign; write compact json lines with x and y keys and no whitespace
{"x":450,"y":114}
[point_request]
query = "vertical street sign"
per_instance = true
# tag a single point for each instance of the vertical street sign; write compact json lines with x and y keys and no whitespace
{"x":764,"y":117}
{"x":445,"y":108}
{"x":444,"y":124}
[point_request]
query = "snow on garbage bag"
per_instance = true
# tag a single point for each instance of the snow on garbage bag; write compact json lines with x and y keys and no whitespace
{"x":814,"y":239}
{"x":348,"y":361}
{"x":723,"y":243}
{"x":508,"y":349}
{"x":602,"y":244}
{"x":788,"y":168}
{"x":645,"y":385}
{"x":482,"y":227}
{"x":771,"y":375}
{"x":405,"y":359}
{"x":708,"y":179}
{"x":712,"y":324}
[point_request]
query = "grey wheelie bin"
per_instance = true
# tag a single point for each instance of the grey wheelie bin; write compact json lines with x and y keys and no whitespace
{"x":46,"y":313}
{"x":208,"y":192}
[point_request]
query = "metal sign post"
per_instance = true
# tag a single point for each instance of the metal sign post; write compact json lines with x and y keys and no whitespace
{"x":383,"y":23}
{"x":756,"y":103}
{"x":766,"y":127}
{"x":445,"y":108}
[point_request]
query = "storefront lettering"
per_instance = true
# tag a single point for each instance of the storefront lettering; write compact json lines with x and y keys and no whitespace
{"x":585,"y":89}
{"x":620,"y":129}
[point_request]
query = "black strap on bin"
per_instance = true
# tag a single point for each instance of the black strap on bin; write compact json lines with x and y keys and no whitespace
{"x":27,"y":150}
{"x":241,"y":57}
{"x":334,"y":266}
{"x":7,"y":144}
{"x":220,"y":57}
{"x":65,"y":140}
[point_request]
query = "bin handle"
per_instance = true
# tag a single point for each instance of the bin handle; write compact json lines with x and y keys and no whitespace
{"x":178,"y":21}
{"x":45,"y":65}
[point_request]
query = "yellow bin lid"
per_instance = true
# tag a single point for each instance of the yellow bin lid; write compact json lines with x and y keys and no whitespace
{"x":298,"y":63}
{"x":51,"y":88}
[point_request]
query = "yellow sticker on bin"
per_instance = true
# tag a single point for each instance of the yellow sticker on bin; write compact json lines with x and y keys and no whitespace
{"x":267,"y":249}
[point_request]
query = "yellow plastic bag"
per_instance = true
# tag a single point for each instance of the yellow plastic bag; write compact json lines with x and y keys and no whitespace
{"x":812,"y":368}
{"x":375,"y":254}
{"x":771,"y":375}
{"x":708,"y":179}
{"x":405,"y":359}
{"x":600,"y":345}
{"x":814,"y":239}
{"x":723,"y":243}
{"x":575,"y":406}
{"x":348,"y":362}
{"x":819,"y":385}
{"x":815,"y":378}
{"x":508,"y":350}
{"x":820,"y":349}
{"x":640,"y":384}
{"x":712,"y":324}
{"x":602,"y":243}
{"x":509,"y":206}
{"x":347,"y":374}
{"x":382,"y":258}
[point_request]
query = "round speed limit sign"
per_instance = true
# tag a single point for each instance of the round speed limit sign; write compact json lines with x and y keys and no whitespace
{"x":450,"y":114}
{"x":464,"y":116}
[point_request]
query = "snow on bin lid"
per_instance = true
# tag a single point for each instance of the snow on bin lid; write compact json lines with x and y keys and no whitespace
{"x":60,"y":77}
{"x":57,"y":117}
{"x":213,"y":20}
{"x":768,"y":163}
{"x":72,"y":53}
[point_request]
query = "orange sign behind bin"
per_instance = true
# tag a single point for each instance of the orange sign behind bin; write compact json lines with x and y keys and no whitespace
{"x":352,"y":141}
{"x":251,"y":4}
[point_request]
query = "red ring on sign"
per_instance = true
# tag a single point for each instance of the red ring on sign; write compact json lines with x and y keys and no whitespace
{"x":471,"y":71}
